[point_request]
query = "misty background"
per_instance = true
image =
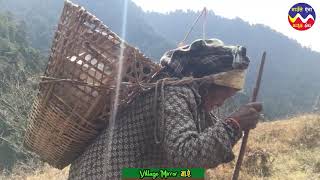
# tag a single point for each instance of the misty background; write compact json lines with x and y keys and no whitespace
{"x":290,"y":82}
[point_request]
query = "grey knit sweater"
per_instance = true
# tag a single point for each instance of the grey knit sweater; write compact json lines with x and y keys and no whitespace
{"x":190,"y":137}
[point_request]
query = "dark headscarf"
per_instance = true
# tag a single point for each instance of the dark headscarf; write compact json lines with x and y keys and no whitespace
{"x":203,"y":58}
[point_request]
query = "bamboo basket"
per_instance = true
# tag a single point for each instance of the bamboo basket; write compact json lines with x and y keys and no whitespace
{"x":76,"y":94}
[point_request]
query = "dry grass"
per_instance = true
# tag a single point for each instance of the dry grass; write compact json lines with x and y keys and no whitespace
{"x":44,"y":173}
{"x":287,"y":149}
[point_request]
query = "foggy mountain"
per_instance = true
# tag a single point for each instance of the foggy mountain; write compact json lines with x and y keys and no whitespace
{"x":290,"y":83}
{"x":42,"y":17}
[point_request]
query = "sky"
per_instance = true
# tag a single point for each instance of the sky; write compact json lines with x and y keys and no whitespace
{"x":273,"y":13}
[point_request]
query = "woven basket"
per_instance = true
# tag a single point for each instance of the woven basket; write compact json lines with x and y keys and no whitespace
{"x":78,"y":86}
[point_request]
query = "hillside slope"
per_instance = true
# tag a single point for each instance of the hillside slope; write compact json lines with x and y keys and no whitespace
{"x":286,"y":149}
{"x":19,"y":63}
{"x":289,"y":82}
{"x":42,"y":17}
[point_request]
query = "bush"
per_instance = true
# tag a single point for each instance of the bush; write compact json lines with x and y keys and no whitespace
{"x":309,"y":135}
{"x":258,"y":162}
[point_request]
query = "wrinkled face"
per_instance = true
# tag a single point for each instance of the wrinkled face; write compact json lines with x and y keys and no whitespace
{"x":216,"y":96}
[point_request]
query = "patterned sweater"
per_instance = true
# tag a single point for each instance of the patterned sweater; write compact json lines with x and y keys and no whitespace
{"x":190,"y":137}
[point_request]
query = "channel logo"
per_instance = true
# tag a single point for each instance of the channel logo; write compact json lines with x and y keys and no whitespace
{"x":301,"y":16}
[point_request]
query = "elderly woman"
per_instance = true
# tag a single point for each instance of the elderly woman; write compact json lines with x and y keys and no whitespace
{"x":171,"y":125}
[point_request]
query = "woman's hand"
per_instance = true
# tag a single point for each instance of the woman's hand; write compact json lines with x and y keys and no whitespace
{"x":247,"y":115}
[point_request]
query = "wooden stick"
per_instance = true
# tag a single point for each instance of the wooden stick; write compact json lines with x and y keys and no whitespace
{"x":246,"y":133}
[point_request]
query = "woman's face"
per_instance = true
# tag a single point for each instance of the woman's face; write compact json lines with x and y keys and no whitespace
{"x":216,"y":96}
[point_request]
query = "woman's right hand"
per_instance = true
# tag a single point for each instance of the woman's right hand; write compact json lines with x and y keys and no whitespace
{"x":247,"y":115}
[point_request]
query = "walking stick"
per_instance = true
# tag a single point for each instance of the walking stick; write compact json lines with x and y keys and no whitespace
{"x":246,"y":133}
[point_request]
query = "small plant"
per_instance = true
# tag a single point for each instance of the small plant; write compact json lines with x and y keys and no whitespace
{"x":316,"y":167}
{"x":258,"y":162}
{"x":309,"y":136}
